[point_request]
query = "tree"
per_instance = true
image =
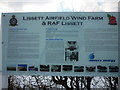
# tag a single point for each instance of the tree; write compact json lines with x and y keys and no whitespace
{"x":73,"y":82}
{"x":66,"y":82}
{"x":112,"y":82}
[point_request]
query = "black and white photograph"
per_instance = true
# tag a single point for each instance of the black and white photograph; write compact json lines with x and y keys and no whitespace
{"x":55,"y":68}
{"x":67,"y":67}
{"x":101,"y":68}
{"x":71,"y":52}
{"x":113,"y":69}
{"x":33,"y":68}
{"x":45,"y":68}
{"x":78,"y":68}
{"x":90,"y":68}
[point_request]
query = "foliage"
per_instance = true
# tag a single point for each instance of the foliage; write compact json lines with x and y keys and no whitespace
{"x":61,"y":82}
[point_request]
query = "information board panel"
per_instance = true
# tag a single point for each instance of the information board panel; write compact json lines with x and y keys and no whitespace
{"x":60,"y":44}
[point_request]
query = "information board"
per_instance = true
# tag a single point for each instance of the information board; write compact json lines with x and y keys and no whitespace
{"x":60,"y":44}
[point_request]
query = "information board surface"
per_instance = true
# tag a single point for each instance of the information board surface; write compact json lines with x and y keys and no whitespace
{"x":60,"y":44}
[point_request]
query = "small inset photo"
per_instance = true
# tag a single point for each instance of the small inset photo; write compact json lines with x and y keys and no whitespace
{"x":56,"y":68}
{"x":72,"y":45}
{"x":11,"y":68}
{"x":45,"y":68}
{"x":71,"y":51}
{"x":90,"y":68}
{"x":78,"y":68}
{"x":33,"y":68}
{"x":101,"y":68}
{"x":22,"y":67}
{"x":113,"y":69}
{"x":67,"y":68}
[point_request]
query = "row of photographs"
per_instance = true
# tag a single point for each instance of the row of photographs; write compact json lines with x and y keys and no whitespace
{"x":60,"y":68}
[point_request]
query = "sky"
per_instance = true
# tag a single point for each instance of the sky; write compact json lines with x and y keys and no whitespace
{"x":58,"y":5}
{"x":55,"y":6}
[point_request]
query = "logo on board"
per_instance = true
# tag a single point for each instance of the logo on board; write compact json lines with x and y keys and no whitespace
{"x":91,"y":56}
{"x":112,"y":20}
{"x":13,"y":21}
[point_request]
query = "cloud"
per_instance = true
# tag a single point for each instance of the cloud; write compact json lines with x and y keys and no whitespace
{"x":15,"y":5}
{"x":89,"y":5}
{"x":59,"y":5}
{"x":31,"y":6}
{"x":40,"y":1}
{"x":37,"y":7}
